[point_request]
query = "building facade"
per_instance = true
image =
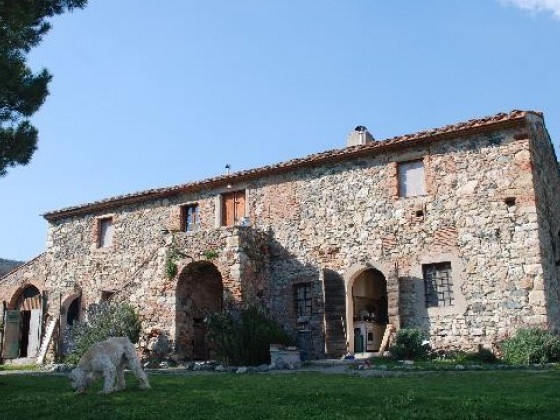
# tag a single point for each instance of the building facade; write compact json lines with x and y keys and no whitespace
{"x":455,"y":231}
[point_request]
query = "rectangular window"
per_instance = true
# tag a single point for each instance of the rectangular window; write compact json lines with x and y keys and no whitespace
{"x":105,"y":231}
{"x":106,"y":295}
{"x":233,"y":208}
{"x":190,"y":218}
{"x":303,"y":300}
{"x":411,"y":178}
{"x":438,"y":284}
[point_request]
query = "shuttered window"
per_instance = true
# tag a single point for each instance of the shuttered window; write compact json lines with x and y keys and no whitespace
{"x":105,"y":232}
{"x":233,"y":208}
{"x":411,"y":178}
{"x":190,"y":218}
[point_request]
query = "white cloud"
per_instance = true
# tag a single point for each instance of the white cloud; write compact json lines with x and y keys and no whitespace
{"x":536,"y":5}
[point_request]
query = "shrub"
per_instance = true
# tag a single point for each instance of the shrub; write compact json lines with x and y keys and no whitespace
{"x":408,"y":344}
{"x":244,"y":337}
{"x":103,"y":320}
{"x":531,"y":345}
{"x":483,"y":355}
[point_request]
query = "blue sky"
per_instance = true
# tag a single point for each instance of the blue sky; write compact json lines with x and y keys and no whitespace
{"x":153,"y":94}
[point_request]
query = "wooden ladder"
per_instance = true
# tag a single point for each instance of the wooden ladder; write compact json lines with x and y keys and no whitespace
{"x":386,"y":338}
{"x":46,"y":340}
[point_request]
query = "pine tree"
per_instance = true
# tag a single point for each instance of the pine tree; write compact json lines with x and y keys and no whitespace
{"x":23,"y":23}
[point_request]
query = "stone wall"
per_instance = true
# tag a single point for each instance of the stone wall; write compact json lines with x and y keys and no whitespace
{"x":545,"y":293}
{"x":336,"y":217}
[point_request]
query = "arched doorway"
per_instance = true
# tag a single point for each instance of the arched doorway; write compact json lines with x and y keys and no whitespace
{"x":367,"y":310}
{"x":199,"y":294}
{"x":73,"y":313}
{"x":23,"y":324}
{"x":70,"y":312}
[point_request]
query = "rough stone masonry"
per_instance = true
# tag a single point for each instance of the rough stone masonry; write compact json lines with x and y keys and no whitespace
{"x":453,"y":230}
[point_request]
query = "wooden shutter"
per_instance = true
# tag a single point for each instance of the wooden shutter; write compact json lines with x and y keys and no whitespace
{"x":228,"y":209}
{"x":11,"y":335}
{"x":239,"y":206}
{"x":335,"y":313}
{"x":34,"y":328}
{"x":233,"y":208}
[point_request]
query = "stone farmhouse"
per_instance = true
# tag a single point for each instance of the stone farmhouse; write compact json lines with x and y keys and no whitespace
{"x":454,"y":230}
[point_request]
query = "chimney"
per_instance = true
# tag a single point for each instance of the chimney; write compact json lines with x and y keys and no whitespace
{"x":359,"y":136}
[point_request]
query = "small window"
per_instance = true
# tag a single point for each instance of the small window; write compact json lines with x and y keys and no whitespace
{"x":438,"y":284}
{"x":105,"y":230}
{"x":411,"y":178}
{"x":303,"y":300}
{"x":106,"y":295}
{"x":233,"y":208}
{"x":190,"y":218}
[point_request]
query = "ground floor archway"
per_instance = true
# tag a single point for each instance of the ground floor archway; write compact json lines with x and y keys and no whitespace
{"x":199,"y":294}
{"x":366,"y":310}
{"x":70,"y":312}
{"x":23,"y":324}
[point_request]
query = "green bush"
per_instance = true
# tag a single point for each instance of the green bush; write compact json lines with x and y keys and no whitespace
{"x":531,"y":345}
{"x":481,"y":356}
{"x":408,"y":345}
{"x":244,"y":337}
{"x":103,"y":320}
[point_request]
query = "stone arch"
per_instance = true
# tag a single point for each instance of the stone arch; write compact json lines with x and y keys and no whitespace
{"x":366,"y":306}
{"x":27,"y":300}
{"x":70,"y":311}
{"x":199,"y":293}
{"x":19,"y":292}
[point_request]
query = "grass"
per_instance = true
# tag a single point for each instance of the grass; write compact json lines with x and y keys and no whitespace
{"x":442,"y":395}
{"x":18,"y":367}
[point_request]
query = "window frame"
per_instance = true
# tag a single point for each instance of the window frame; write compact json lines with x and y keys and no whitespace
{"x":102,"y":242}
{"x":438,"y":295}
{"x":184,"y":215}
{"x":238,"y":207}
{"x":303,"y":301}
{"x":403,"y":184}
{"x":107,"y":295}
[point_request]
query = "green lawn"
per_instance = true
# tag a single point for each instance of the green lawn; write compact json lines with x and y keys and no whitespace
{"x":429,"y":395}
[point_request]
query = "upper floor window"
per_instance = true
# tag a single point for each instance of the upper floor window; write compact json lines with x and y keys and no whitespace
{"x":190,"y":218}
{"x":233,"y":208}
{"x":411,"y":178}
{"x":438,"y":284}
{"x":105,"y":231}
{"x":303,"y":300}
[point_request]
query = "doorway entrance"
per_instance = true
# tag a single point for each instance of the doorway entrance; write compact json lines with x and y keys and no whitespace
{"x":23,"y":324}
{"x":199,"y":294}
{"x":70,"y":313}
{"x":368,"y":309}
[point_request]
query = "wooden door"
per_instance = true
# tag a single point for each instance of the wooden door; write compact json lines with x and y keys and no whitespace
{"x":34,"y":328}
{"x":11,"y":335}
{"x":335,"y":313}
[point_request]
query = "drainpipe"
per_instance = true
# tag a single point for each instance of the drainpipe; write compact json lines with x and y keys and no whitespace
{"x":2,"y":329}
